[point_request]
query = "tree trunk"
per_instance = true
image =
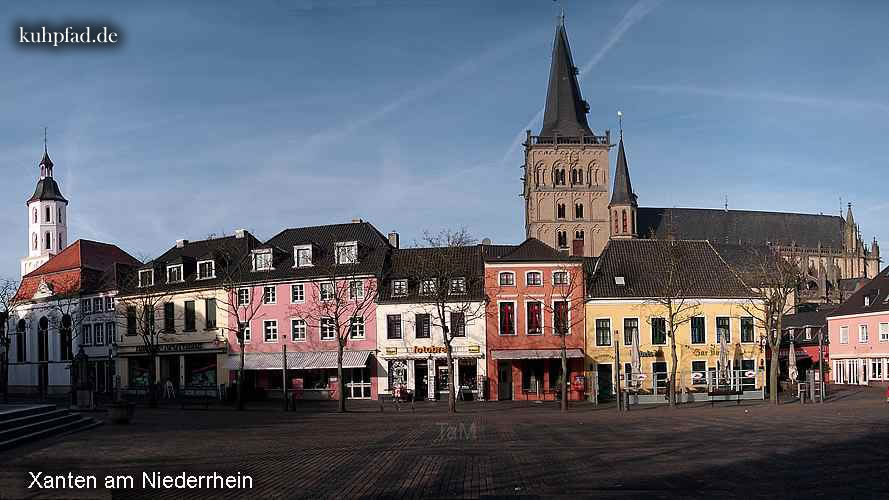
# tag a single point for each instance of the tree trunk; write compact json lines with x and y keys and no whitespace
{"x":452,"y":400}
{"x":674,"y":362}
{"x":241,"y":380}
{"x":564,"y":382}
{"x":340,"y":381}
{"x":773,"y":375}
{"x":152,"y":379}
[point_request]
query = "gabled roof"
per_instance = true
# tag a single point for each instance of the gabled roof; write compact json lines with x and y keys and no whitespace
{"x":741,"y":226}
{"x":645,"y":266}
{"x":412,"y":264}
{"x":47,"y":189}
{"x":623,"y":188}
{"x":877,"y":293}
{"x":810,"y":318}
{"x":86,"y":253}
{"x":530,"y":250}
{"x":565,"y":112}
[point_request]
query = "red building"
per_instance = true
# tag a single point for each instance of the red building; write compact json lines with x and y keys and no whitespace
{"x":535,"y":293}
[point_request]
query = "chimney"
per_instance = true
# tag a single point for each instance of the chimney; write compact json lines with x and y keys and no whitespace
{"x":181,"y":243}
{"x":357,"y":221}
{"x":240,"y":233}
{"x":393,"y":239}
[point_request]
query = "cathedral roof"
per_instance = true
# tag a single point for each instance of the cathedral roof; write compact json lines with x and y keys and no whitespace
{"x":47,"y":189}
{"x":623,"y":189}
{"x":565,"y":112}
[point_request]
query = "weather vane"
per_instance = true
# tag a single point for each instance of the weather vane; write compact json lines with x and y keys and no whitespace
{"x":561,"y":10}
{"x":620,"y":123}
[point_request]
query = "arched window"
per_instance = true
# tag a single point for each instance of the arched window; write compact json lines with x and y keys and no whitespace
{"x":578,"y":210}
{"x":573,"y":176}
{"x":578,"y":174}
{"x":615,"y":222}
{"x":61,"y":243}
{"x":624,"y":219}
{"x":46,"y":216}
{"x":559,"y":177}
{"x":34,"y":240}
{"x":47,"y":241}
{"x":35,"y":214}
{"x":578,"y":235}
{"x":65,"y":353}
{"x":21,"y":342}
{"x":43,"y":339}
{"x":560,"y":210}
{"x":59,"y":218}
{"x":563,"y":239}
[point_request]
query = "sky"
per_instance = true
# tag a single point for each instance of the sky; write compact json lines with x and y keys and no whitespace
{"x":213,"y":116}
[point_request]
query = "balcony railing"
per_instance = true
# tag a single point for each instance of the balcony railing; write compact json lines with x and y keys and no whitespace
{"x":567,"y":139}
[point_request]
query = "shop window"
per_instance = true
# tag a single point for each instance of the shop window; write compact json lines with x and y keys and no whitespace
{"x":532,"y":376}
{"x":397,"y":373}
{"x":555,"y":374}
{"x":200,"y":370}
{"x":468,"y":369}
{"x":659,"y":371}
{"x":699,"y":372}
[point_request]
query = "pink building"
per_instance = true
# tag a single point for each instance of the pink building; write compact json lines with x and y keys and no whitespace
{"x":291,"y":290}
{"x":859,"y":335}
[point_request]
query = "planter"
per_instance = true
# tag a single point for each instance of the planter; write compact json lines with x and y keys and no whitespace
{"x":122,"y":412}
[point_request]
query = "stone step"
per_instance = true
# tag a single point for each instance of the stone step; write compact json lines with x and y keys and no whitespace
{"x":78,"y":424}
{"x":52,"y":420}
{"x":12,"y":412}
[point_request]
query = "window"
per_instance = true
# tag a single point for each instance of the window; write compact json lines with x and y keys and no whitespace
{"x":269,"y":294}
{"x":189,"y":316}
{"x":86,"y":332}
{"x":862,"y":334}
{"x":298,"y":330}
{"x":206,"y":269}
{"x":146,"y":277}
{"x":148,"y":320}
{"x":723,"y":328}
{"x":47,"y":241}
{"x":844,"y":335}
{"x":560,"y":318}
{"x":631,"y":330}
{"x":422,"y":326}
{"x":747,"y":330}
{"x":560,"y":278}
{"x":698,"y":332}
{"x":458,"y":286}
{"x":262,"y":261}
{"x":534,"y":278}
{"x":174,"y":274}
{"x":578,"y":235}
{"x":624,"y":220}
{"x":884,"y":332}
{"x":46,"y":215}
{"x":427,"y":287}
{"x":327,"y":291}
{"x":65,"y":353}
{"x":562,"y":237}
{"x":535,"y":318}
{"x":559,"y":177}
{"x":699,"y":372}
{"x":86,"y":306}
{"x":876,"y":369}
{"x":169,"y":321}
{"x":399,"y":288}
{"x":109,"y":303}
{"x":507,"y":317}
{"x":808,"y":334}
{"x":658,"y":331}
{"x":328,"y":329}
{"x":458,"y":325}
{"x":507,"y":279}
{"x":110,"y":332}
{"x":270,"y":330}
{"x":210,"y":310}
{"x":603,"y":332}
{"x":347,"y":253}
{"x":356,"y":327}
{"x":243,"y":296}
{"x":59,"y":218}
{"x":35,"y":215}
{"x":532,"y":375}
{"x":302,"y":255}
{"x":244,"y":332}
{"x":356,"y":290}
{"x":34,"y":241}
{"x":297,"y":293}
{"x":21,"y":346}
{"x":578,"y":211}
{"x":131,"y":320}
{"x":560,"y":211}
{"x":393,"y":326}
{"x":97,"y":304}
{"x":99,"y":334}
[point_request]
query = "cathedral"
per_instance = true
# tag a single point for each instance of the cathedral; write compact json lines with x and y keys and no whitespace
{"x":567,"y":203}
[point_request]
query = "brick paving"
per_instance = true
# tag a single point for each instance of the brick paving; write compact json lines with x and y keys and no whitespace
{"x":836,"y":450}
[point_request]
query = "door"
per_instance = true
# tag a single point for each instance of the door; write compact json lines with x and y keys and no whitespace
{"x":605,"y":379}
{"x":358,"y":383}
{"x":504,"y":381}
{"x":421,"y":380}
{"x":441,"y":378}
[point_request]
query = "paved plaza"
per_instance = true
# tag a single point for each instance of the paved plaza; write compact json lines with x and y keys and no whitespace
{"x":839,"y":449}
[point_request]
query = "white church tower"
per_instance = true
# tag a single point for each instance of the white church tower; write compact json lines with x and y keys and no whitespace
{"x":47,"y":219}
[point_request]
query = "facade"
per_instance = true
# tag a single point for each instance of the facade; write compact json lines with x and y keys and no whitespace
{"x":534,"y":294}
{"x":410,"y":339}
{"x":803,"y":330}
{"x":313,"y":275}
{"x":859,"y":335}
{"x":625,"y":300}
{"x":65,"y":306}
{"x":47,"y":219}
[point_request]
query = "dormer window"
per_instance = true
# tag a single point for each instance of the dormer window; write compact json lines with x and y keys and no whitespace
{"x":427,"y":287}
{"x":458,"y":286}
{"x":620,"y":280}
{"x":399,"y":288}
{"x":262,"y":260}
{"x":347,"y":252}
{"x":146,"y":277}
{"x":866,"y":300}
{"x":302,"y":256}
{"x":174,"y":273}
{"x":206,"y":269}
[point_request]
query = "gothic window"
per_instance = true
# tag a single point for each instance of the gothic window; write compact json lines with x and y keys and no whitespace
{"x":47,"y":241}
{"x":615,"y":222}
{"x":559,"y":177}
{"x":624,"y":219}
{"x":578,"y":210}
{"x":574,"y":176}
{"x":563,"y":239}
{"x":46,"y":217}
{"x":560,"y":210}
{"x":34,"y":242}
{"x":578,"y":235}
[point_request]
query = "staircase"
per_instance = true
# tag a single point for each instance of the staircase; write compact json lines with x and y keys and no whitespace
{"x":21,"y":424}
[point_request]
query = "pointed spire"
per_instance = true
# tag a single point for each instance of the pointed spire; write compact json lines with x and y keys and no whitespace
{"x":849,"y":218}
{"x":45,"y":163}
{"x":565,"y":112}
{"x":622,"y":194}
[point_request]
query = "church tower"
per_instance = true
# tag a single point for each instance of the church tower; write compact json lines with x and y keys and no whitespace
{"x":566,"y":166}
{"x":47,"y":219}
{"x":623,"y":200}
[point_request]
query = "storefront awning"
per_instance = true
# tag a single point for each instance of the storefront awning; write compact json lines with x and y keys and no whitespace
{"x":311,"y":360}
{"x":535,"y":353}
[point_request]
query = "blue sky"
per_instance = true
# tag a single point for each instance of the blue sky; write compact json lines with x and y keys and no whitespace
{"x":213,"y":116}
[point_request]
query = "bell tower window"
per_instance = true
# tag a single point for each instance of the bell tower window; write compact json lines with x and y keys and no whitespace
{"x":47,"y":241}
{"x":46,"y":216}
{"x":615,"y":222}
{"x":560,"y":210}
{"x":35,"y":215}
{"x":578,"y":210}
{"x":563,"y":239}
{"x":34,"y":241}
{"x":624,"y":218}
{"x":559,"y":177}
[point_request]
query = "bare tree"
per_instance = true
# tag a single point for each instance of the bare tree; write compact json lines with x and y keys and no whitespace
{"x":342,"y":301}
{"x":451,"y":285}
{"x":9,"y":300}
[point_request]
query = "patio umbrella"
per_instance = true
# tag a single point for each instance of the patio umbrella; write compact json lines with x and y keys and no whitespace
{"x":792,"y":372}
{"x":636,"y":361}
{"x":723,"y":358}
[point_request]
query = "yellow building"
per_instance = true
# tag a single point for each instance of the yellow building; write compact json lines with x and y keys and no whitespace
{"x":626,"y":299}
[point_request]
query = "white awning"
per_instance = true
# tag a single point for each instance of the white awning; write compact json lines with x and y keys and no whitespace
{"x":535,"y":353}
{"x":307,"y":360}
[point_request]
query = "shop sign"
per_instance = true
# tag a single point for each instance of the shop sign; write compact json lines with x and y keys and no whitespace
{"x":391,"y":351}
{"x":435,"y":349}
{"x":474,"y":348}
{"x":179,"y":347}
